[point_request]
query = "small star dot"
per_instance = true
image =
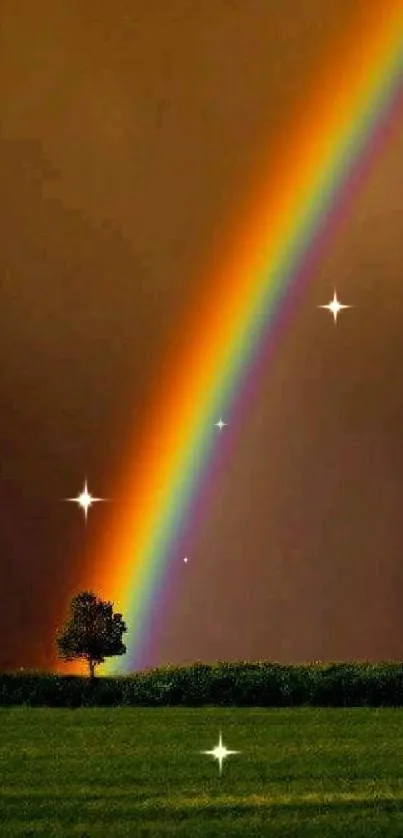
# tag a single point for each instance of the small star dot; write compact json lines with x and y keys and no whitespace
{"x":220,"y":424}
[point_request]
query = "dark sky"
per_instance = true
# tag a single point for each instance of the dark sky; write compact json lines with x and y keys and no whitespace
{"x":129,"y":130}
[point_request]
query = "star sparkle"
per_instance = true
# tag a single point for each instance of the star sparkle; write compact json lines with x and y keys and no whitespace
{"x":220,"y":752}
{"x":335,"y":307}
{"x":85,"y":500}
{"x":220,"y":424}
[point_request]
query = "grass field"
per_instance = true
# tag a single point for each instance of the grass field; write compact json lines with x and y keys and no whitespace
{"x":138,"y":772}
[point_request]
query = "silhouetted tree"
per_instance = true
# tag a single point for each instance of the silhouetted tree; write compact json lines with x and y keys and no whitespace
{"x":91,"y":631}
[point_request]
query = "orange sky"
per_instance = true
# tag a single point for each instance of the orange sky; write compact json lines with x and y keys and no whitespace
{"x":128,"y":137}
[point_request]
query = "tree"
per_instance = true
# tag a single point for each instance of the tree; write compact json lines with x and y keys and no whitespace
{"x":92,"y":631}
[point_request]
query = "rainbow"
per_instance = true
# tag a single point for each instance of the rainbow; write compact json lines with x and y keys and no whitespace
{"x":308,"y":186}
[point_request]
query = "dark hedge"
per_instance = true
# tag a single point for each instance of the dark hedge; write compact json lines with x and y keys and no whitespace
{"x":259,"y":684}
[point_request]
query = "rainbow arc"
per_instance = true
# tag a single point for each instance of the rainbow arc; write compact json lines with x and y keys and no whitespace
{"x":309,"y":184}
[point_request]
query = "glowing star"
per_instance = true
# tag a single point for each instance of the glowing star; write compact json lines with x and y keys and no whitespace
{"x":220,"y":752}
{"x":85,"y":500}
{"x":335,"y":307}
{"x":220,"y":424}
{"x":185,"y":559}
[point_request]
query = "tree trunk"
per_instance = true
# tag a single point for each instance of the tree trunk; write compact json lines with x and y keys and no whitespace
{"x":91,"y":666}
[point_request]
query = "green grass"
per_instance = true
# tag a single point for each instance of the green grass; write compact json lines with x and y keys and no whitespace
{"x":138,"y":772}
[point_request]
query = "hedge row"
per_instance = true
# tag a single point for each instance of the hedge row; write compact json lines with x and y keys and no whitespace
{"x":258,"y":684}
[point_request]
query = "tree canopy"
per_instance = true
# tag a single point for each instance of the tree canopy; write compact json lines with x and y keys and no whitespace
{"x":92,"y":631}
